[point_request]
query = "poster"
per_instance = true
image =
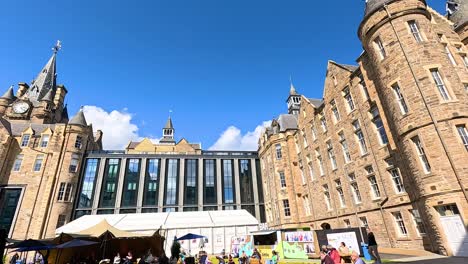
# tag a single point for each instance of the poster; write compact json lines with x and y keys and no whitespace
{"x":349,"y":238}
{"x":241,"y":244}
{"x":299,"y":236}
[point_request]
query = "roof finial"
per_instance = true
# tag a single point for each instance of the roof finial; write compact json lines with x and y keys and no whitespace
{"x":170,"y":113}
{"x":57,"y":47}
{"x":292,"y":89}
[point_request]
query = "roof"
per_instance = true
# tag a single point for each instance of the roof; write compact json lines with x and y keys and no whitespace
{"x":374,"y":5}
{"x":348,"y":67}
{"x":79,"y":119}
{"x":287,"y":121}
{"x":150,"y":222}
{"x":315,"y":102}
{"x":17,"y":128}
{"x":169,"y":124}
{"x":458,"y":12}
{"x":44,"y":82}
{"x":9,"y":94}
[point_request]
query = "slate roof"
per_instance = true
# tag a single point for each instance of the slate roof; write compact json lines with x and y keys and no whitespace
{"x":460,"y":16}
{"x":16,"y":129}
{"x":374,"y":5}
{"x":79,"y":119}
{"x":348,"y":67}
{"x":9,"y":94}
{"x":287,"y":121}
{"x":316,"y":102}
{"x":169,"y":124}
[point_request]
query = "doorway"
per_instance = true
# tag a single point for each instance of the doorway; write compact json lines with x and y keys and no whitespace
{"x":454,"y":229}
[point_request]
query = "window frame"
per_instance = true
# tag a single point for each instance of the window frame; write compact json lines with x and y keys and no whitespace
{"x":415,"y":31}
{"x":17,"y":166}
{"x":25,"y":139}
{"x":440,"y":84}
{"x":463,"y":133}
{"x":380,"y":47}
{"x":44,"y":136}
{"x":39,"y":157}
{"x":421,"y":153}
{"x":400,"y":98}
{"x":400,"y":224}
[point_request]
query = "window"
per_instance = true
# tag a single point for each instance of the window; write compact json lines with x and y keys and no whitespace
{"x":87,"y":189}
{"x":110,"y":180}
{"x":282,"y":179}
{"x":380,"y":48}
{"x":279,"y":155}
{"x":323,"y":122}
{"x":191,"y":190}
{"x":463,"y":135}
{"x":331,"y":155}
{"x":45,"y":141}
{"x":245,"y":179}
{"x":397,"y":181}
{"x":349,"y":99}
{"x":25,"y":140}
{"x":347,"y":223}
{"x":363,"y":221}
{"x":228,"y":182}
{"x":319,"y":162}
{"x":61,"y":220}
{"x":287,"y":210}
{"x":344,"y":147}
{"x":374,"y":186}
{"x":131,"y":181}
{"x":465,"y":60}
{"x":336,"y":113}
{"x":210,"y":181}
{"x":377,"y":120}
{"x":449,"y":55}
{"x":74,"y":162}
{"x":418,"y":223}
{"x":401,"y":228}
{"x":78,"y":142}
{"x":306,"y":205}
{"x":466,"y":87}
{"x":303,"y":177}
{"x":38,"y":162}
{"x":64,"y":193}
{"x":440,"y":84}
{"x":399,"y":97}
{"x":314,"y":132}
{"x":355,"y":188}
{"x":415,"y":31}
{"x":17,"y":163}
{"x":340,"y":192}
{"x":305,"y":139}
{"x":326,"y":194}
{"x":311,"y":171}
{"x":421,"y":154}
{"x":362,"y":83}
{"x":360,"y":137}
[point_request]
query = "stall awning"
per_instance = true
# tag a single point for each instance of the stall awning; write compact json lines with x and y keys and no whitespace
{"x":262,"y":232}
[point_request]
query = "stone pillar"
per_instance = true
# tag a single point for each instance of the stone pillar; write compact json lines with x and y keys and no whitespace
{"x":253,"y":167}
{"x":118,"y":196}
{"x":200,"y":184}
{"x":162,"y":179}
{"x":219,"y":187}
{"x":97,"y":190}
{"x":181,"y":184}
{"x":237,"y":183}
{"x":141,"y":184}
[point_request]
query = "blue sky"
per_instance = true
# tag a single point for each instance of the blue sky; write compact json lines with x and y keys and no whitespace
{"x":215,"y":63}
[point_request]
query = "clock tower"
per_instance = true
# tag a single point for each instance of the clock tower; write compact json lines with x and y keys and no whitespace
{"x":40,"y":102}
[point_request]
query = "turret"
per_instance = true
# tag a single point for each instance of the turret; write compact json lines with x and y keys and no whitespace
{"x":6,"y":99}
{"x":168,"y":132}
{"x":294,"y":100}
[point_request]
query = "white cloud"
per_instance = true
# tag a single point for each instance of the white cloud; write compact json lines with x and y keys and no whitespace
{"x":232,"y":138}
{"x":117,"y":126}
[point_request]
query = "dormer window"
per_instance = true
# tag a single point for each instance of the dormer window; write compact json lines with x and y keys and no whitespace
{"x":45,"y":141}
{"x":25,"y":140}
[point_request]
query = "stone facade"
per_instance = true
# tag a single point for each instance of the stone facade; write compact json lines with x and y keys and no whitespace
{"x":393,"y":152}
{"x":40,"y":155}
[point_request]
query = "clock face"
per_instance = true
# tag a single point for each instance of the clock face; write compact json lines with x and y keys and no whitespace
{"x":20,"y":107}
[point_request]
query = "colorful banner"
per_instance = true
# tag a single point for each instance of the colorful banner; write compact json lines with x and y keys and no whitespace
{"x":242,"y":244}
{"x":299,"y":236}
{"x":349,"y":238}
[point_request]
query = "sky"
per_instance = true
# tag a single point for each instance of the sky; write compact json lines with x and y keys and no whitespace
{"x":221,"y":69}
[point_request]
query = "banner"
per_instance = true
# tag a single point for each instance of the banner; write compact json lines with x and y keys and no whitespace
{"x":299,"y":236}
{"x":349,"y":238}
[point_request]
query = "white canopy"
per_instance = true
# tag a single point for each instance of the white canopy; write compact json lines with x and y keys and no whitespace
{"x":150,"y":222}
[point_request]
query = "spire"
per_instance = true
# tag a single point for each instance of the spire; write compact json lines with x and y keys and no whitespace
{"x":45,"y":80}
{"x":79,"y":119}
{"x":169,"y":124}
{"x":9,"y":94}
{"x":48,"y":97}
{"x":292,"y":89}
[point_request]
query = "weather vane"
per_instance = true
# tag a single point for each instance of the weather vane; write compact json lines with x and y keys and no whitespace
{"x":170,"y":113}
{"x":57,"y":46}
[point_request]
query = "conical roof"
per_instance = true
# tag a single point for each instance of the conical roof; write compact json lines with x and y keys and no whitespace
{"x":49,"y":97}
{"x":79,"y":119}
{"x":9,"y":94}
{"x":374,"y":5}
{"x":169,"y":124}
{"x":292,"y":89}
{"x":44,"y":82}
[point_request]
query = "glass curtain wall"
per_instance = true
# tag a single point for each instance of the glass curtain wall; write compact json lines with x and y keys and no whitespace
{"x":132,"y":178}
{"x":150,"y":195}
{"x":109,"y":184}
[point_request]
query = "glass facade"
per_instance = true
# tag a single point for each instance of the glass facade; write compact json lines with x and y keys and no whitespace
{"x":87,"y":186}
{"x":172,"y":186}
{"x":210,"y":181}
{"x":9,"y":199}
{"x":246,"y":184}
{"x":259,"y":185}
{"x":150,"y":195}
{"x":228,"y":182}
{"x":109,"y":185}
{"x":191,"y":178}
{"x":130,"y":188}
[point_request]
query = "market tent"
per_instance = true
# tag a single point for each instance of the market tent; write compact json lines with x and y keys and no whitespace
{"x":104,"y":228}
{"x":189,"y":236}
{"x":76,"y":243}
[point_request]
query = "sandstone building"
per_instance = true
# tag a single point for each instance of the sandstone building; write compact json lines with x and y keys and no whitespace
{"x":387,"y":145}
{"x":41,"y":151}
{"x":170,"y":176}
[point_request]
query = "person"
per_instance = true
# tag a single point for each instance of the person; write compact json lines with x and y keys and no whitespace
{"x":243,"y":259}
{"x":356,"y":259}
{"x":373,"y":251}
{"x":274,"y":257}
{"x":14,"y":258}
{"x":117,"y":258}
{"x":230,"y":260}
{"x":324,"y":258}
{"x":256,"y":254}
{"x":149,"y":258}
{"x":344,"y":253}
{"x":324,"y":249}
{"x":334,"y":255}
{"x":129,"y":257}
